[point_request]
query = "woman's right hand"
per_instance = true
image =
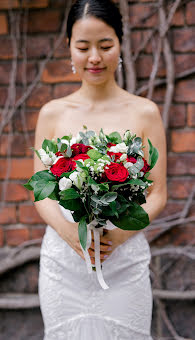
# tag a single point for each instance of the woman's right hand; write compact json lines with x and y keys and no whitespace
{"x":70,"y":234}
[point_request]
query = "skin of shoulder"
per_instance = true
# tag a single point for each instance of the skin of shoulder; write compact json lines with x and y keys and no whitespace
{"x":45,"y":127}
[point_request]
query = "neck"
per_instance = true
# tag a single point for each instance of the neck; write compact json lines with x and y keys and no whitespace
{"x":99,"y":93}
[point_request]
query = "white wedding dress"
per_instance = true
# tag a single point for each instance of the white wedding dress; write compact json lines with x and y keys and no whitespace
{"x":73,"y":304}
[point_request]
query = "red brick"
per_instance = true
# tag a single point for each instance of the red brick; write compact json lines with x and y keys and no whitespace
{"x":177,"y":115}
{"x":171,"y":208}
{"x":31,"y":117}
{"x":159,"y":94}
{"x":181,"y":164}
{"x":3,"y":24}
{"x":63,"y":50}
{"x":37,"y":233}
{"x":6,"y":4}
{"x":177,"y":236}
{"x":6,"y":49}
{"x":144,"y":65}
{"x":184,"y":91}
{"x":180,"y":188}
{"x":39,"y":96}
{"x":30,"y":72}
{"x":43,"y":21}
{"x":183,"y":62}
{"x":136,"y":39}
{"x":152,"y":43}
{"x":17,"y":144}
{"x":59,"y":71}
{"x":1,"y":237}
{"x":38,"y":46}
{"x":20,"y":168}
{"x":65,"y":90}
{"x":5,"y":72}
{"x":3,"y":95}
{"x":8,"y":215}
{"x":191,"y":115}
{"x":16,"y":192}
{"x":190,"y":13}
{"x":137,"y":13}
{"x":29,"y":215}
{"x":184,"y":39}
{"x":183,"y":141}
{"x":178,"y":18}
{"x":14,"y":237}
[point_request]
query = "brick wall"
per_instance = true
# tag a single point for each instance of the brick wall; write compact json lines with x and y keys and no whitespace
{"x":19,"y":219}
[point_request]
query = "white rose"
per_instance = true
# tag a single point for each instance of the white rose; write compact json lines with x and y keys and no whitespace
{"x":47,"y":158}
{"x":121,"y":147}
{"x":128,"y":165}
{"x":77,"y":178}
{"x":65,"y":183}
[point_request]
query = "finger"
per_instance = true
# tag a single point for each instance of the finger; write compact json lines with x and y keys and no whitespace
{"x":103,"y":247}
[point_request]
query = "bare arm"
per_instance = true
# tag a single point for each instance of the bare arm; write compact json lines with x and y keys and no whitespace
{"x":49,"y":209}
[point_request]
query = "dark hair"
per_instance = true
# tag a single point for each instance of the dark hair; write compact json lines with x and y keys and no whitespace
{"x":104,"y":10}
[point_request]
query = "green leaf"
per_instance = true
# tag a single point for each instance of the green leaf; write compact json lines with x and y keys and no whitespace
{"x":94,"y":154}
{"x":73,"y":205}
{"x":83,"y":232}
{"x":103,"y":187}
{"x":111,"y":209}
{"x":108,"y":197}
{"x":69,"y":151}
{"x":153,"y":155}
{"x":51,"y":145}
{"x":36,"y":151}
{"x":43,"y":189}
{"x":28,"y":185}
{"x":67,"y":174}
{"x":69,"y":194}
{"x":43,"y":175}
{"x":115,"y":137}
{"x":134,"y":218}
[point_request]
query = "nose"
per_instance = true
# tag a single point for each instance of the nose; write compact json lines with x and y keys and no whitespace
{"x":94,"y":57}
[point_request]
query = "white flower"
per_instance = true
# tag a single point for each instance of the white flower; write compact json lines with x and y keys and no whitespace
{"x":47,"y":158}
{"x":128,"y":165}
{"x":123,"y":157}
{"x":65,"y":183}
{"x":78,"y":178}
{"x":73,"y":141}
{"x":121,"y":147}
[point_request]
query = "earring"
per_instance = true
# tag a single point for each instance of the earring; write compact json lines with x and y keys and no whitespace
{"x":73,"y":67}
{"x":120,"y":60}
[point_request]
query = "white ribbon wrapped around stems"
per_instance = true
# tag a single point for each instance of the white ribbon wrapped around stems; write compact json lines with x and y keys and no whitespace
{"x":97,"y":233}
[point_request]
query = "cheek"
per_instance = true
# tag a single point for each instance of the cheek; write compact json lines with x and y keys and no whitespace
{"x":112,"y":58}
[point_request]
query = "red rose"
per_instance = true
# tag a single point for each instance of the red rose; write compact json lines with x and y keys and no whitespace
{"x":146,"y":166}
{"x":58,"y":153}
{"x":62,"y":165}
{"x":110,"y":144}
{"x":131,"y":159}
{"x":116,"y":154}
{"x":77,"y":157}
{"x":116,"y":172}
{"x":78,"y":148}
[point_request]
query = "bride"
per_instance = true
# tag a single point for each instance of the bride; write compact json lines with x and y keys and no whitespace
{"x":73,"y":305}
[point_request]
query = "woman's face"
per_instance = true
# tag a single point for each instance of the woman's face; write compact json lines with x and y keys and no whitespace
{"x":95,"y":50}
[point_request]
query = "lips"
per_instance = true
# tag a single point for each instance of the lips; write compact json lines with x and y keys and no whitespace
{"x":95,"y":70}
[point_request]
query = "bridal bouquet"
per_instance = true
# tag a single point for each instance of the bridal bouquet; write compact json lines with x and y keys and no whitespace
{"x":100,"y":179}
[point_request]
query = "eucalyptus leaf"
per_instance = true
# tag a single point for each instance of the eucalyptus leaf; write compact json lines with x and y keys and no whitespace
{"x":51,"y":145}
{"x":115,"y":137}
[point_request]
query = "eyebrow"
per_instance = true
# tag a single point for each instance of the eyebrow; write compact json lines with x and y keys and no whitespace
{"x":101,"y":40}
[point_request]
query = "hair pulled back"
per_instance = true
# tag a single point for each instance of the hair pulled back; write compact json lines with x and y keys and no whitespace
{"x":104,"y":10}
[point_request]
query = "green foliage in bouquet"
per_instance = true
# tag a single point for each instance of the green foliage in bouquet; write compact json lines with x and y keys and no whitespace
{"x":88,"y":198}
